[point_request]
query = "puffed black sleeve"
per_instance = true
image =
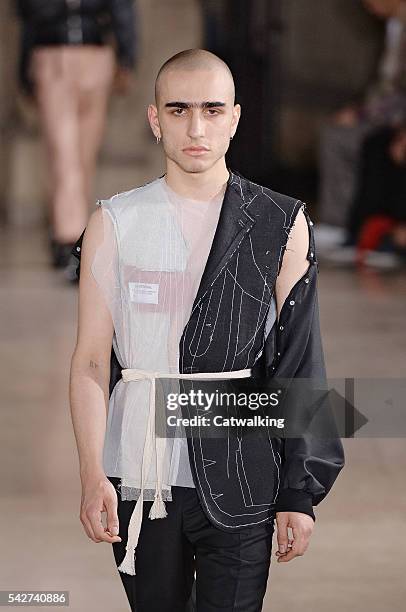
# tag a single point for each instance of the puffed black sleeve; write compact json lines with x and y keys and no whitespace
{"x":123,"y":17}
{"x":310,"y":463}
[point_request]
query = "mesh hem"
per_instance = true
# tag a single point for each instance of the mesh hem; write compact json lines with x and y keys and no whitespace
{"x":133,"y":493}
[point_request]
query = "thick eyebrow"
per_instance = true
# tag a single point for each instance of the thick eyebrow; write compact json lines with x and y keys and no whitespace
{"x":194,"y":104}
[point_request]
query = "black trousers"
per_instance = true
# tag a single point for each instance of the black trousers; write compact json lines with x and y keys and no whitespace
{"x":231,"y":567}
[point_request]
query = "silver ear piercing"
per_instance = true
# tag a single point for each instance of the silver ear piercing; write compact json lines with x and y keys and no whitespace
{"x":158,"y":138}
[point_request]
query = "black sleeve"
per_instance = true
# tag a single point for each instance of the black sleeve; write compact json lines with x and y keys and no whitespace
{"x":77,"y":252}
{"x":310,"y":463}
{"x":123,"y":18}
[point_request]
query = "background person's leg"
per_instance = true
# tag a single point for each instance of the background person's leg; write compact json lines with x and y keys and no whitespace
{"x":339,"y":155}
{"x":164,"y":558}
{"x":95,"y":79}
{"x":377,"y":184}
{"x":58,"y":109}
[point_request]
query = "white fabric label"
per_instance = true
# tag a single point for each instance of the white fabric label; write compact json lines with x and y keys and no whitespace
{"x":144,"y":293}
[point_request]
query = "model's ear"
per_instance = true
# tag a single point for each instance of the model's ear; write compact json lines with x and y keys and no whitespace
{"x":153,"y":119}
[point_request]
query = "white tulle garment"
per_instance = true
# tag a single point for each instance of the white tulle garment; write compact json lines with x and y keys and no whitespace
{"x":149,"y":267}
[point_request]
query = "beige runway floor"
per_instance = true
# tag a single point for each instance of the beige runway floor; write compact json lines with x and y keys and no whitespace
{"x":356,"y":559}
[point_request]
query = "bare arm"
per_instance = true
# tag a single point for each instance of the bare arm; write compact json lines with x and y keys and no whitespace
{"x":89,"y":391}
{"x":294,"y":263}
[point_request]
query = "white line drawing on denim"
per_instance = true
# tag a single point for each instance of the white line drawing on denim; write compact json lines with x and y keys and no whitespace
{"x":238,"y":332}
{"x":264,"y":278}
{"x":228,"y":447}
{"x":231,"y":320}
{"x":215,"y":495}
{"x":237,"y":336}
{"x":257,"y":327}
{"x":247,"y":229}
{"x":244,"y":291}
{"x":245,"y":476}
{"x":238,"y":454}
{"x":197,"y":327}
{"x":223,"y":511}
{"x":239,"y":478}
{"x":212,"y":331}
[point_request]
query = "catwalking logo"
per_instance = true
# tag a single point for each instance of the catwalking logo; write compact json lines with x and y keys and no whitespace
{"x":207,"y":401}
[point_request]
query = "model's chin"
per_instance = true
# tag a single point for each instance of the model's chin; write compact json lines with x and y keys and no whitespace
{"x":195,"y":164}
{"x":197,"y":157}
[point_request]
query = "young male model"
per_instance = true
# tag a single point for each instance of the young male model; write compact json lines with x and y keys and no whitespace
{"x":198,"y":274}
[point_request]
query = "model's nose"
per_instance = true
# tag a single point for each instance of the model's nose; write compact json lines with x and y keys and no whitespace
{"x":196,"y":125}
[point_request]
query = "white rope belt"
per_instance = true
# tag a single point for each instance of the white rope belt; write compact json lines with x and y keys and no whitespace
{"x":158,"y":509}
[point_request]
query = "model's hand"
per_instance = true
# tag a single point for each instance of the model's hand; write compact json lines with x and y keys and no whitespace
{"x":302,"y":528}
{"x":99,"y":495}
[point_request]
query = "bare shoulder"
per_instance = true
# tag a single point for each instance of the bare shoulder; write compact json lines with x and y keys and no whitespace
{"x":94,"y":233}
{"x":298,"y":238}
{"x":294,"y":263}
{"x":297,"y":245}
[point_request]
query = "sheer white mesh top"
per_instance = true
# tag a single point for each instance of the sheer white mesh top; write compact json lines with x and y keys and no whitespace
{"x":148,"y":267}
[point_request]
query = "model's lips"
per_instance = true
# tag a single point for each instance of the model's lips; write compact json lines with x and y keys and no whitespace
{"x":195,"y":150}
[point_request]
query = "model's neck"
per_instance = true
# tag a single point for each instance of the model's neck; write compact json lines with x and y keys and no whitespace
{"x":197,"y":185}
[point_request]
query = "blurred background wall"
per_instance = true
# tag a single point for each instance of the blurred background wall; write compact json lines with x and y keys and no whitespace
{"x":292,"y":67}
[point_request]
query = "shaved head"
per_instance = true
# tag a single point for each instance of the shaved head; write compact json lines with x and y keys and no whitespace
{"x":193,"y":60}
